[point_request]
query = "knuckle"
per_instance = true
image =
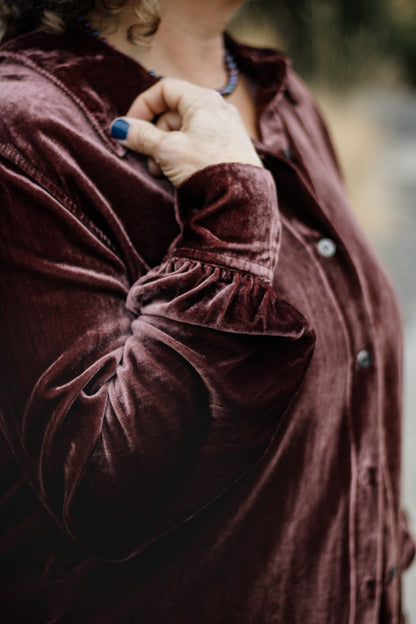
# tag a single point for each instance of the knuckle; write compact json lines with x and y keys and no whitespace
{"x":156,"y":146}
{"x":213,"y":97}
{"x":142,"y":138}
{"x":207,"y":100}
{"x":231,"y":110}
{"x":138,"y":134}
{"x":172,"y":81}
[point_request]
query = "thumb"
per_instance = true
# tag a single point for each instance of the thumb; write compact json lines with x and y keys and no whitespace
{"x":137,"y":134}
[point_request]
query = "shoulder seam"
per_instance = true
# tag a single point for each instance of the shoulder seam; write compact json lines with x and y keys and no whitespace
{"x":117,"y":149}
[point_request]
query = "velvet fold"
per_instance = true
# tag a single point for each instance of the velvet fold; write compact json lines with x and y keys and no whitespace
{"x":187,"y":432}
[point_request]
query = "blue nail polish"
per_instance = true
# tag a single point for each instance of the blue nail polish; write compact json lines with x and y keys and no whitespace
{"x":120,"y":129}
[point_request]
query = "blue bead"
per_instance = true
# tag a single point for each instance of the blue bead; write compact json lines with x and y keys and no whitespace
{"x":233,"y":74}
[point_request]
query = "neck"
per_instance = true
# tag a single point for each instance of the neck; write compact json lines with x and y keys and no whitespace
{"x":188,"y":44}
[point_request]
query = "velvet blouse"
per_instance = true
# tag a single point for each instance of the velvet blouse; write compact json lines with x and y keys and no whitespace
{"x":200,"y":388}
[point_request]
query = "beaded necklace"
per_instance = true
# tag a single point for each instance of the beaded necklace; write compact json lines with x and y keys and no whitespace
{"x":229,"y":61}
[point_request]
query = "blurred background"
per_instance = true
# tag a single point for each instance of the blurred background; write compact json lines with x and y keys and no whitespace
{"x":359,"y":59}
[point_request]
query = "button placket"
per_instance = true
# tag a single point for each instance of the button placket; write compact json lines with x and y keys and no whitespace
{"x":368,"y":513}
{"x":343,"y":275}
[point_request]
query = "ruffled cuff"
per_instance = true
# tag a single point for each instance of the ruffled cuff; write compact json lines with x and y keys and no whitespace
{"x":229,"y":216}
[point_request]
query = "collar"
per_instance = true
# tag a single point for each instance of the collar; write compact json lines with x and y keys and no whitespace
{"x":104,"y":82}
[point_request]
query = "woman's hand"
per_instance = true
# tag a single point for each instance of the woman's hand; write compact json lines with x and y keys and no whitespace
{"x":195,"y":128}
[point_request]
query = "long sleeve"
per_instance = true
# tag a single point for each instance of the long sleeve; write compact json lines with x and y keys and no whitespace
{"x":130,"y":407}
{"x":190,"y":385}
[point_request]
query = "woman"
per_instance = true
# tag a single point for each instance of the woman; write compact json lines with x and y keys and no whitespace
{"x":201,"y":357}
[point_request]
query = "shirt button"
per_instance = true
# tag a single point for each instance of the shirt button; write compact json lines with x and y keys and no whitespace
{"x":364,"y":358}
{"x":288,"y":153}
{"x":392,"y":573}
{"x":327,"y":247}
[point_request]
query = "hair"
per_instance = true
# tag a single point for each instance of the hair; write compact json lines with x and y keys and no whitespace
{"x":21,"y":16}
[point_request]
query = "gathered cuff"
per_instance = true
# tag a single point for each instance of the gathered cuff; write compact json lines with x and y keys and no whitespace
{"x":228,"y":215}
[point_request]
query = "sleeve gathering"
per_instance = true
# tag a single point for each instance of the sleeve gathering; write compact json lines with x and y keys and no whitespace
{"x":131,"y":407}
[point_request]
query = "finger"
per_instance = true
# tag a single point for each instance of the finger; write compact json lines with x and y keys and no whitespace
{"x":153,"y":168}
{"x":167,"y":94}
{"x":169,"y":121}
{"x":138,"y":135}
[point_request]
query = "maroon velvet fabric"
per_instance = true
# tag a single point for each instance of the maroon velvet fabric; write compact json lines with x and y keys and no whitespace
{"x":187,"y":433}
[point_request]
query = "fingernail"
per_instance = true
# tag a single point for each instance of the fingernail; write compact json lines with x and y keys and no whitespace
{"x":120,"y":129}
